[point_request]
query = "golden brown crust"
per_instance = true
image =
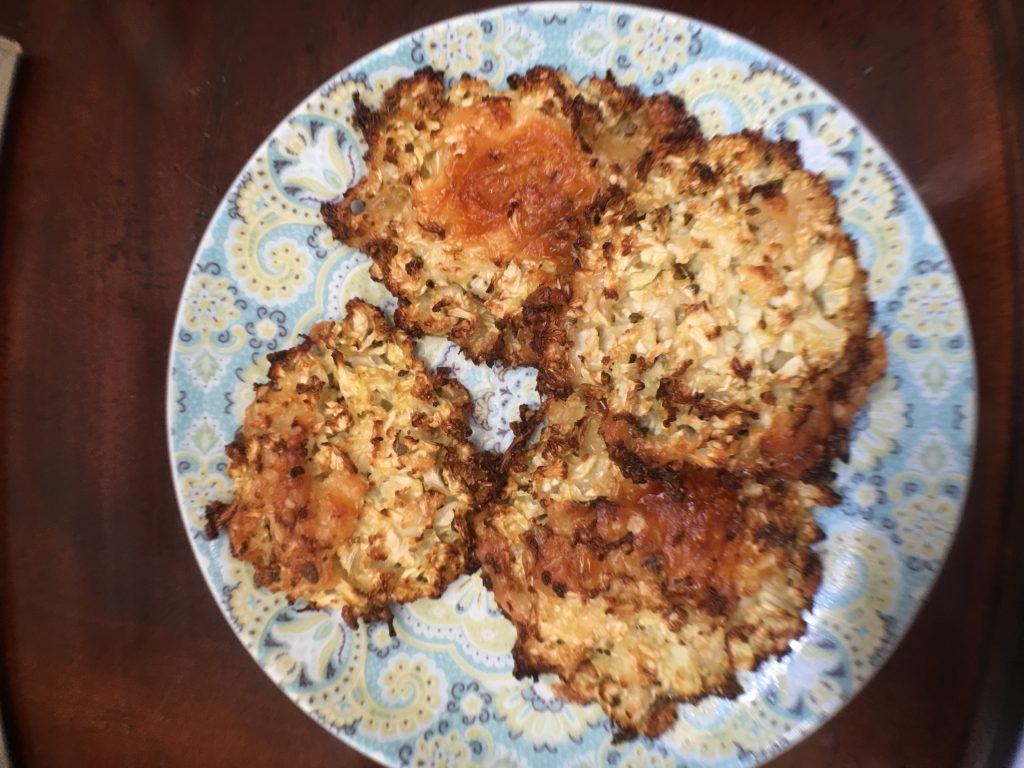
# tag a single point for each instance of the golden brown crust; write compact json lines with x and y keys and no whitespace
{"x":642,"y":595}
{"x":721,"y":309}
{"x":353,"y":473}
{"x":630,"y":132}
{"x":701,"y":329}
{"x":474,"y":200}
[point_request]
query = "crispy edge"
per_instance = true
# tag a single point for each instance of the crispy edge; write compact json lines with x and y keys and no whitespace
{"x":481,"y":472}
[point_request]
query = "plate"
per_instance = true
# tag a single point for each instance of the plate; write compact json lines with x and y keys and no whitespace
{"x":441,"y":691}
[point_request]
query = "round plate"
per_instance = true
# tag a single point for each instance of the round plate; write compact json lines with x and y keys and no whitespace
{"x":441,"y":691}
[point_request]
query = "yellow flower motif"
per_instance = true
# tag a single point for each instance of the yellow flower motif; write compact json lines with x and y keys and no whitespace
{"x":932,"y":307}
{"x":265,"y":329}
{"x":251,"y":607}
{"x":455,"y":48}
{"x":379,"y":635}
{"x":410,"y":694}
{"x":205,"y":436}
{"x":447,"y":751}
{"x":709,"y":730}
{"x":318,"y":164}
{"x":638,"y":756}
{"x":886,"y":418}
{"x":926,"y":524}
{"x":276,"y":275}
{"x":533,"y":711}
{"x":866,"y":203}
{"x":865,"y":495}
{"x":465,"y":620}
{"x":406,"y":676}
{"x":858,"y":566}
{"x":472,"y":704}
{"x":248,"y":201}
{"x":725,"y":98}
{"x":209,"y":304}
{"x":661,"y":41}
{"x":338,"y":100}
{"x":821,"y":143}
{"x":836,"y":129}
{"x":295,"y":140}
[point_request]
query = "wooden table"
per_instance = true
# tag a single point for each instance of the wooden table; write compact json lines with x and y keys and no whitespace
{"x":130,"y":120}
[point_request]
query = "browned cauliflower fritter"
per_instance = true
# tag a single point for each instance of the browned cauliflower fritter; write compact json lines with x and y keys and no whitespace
{"x":721,"y":309}
{"x":353,"y":473}
{"x":640,"y":596}
{"x":701,"y":330}
{"x":474,"y":199}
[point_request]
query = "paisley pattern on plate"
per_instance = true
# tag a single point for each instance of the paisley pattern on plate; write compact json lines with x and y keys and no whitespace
{"x":440,"y":692}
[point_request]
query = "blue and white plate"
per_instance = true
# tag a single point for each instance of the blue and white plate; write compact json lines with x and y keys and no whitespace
{"x":441,"y":691}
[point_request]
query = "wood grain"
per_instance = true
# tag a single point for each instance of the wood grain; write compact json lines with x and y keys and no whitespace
{"x":127,"y":124}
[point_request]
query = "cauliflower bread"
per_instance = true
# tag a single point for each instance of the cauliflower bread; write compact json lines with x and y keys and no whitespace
{"x":722,"y":310}
{"x":353,"y":473}
{"x":473,"y":199}
{"x":642,"y":595}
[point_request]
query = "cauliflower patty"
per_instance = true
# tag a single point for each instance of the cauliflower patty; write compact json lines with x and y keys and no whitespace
{"x":473,"y":199}
{"x":353,"y":472}
{"x":721,"y":309}
{"x":642,"y":595}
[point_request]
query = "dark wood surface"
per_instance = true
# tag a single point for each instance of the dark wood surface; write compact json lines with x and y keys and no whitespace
{"x":129,"y":121}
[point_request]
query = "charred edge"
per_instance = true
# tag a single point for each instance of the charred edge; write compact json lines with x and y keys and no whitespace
{"x":522,"y":430}
{"x":624,"y":733}
{"x":783,"y":149}
{"x":390,"y":151}
{"x":812,"y":573}
{"x":528,"y":418}
{"x":331,"y":214}
{"x":540,"y":78}
{"x":350,"y":617}
{"x":216,"y":517}
{"x":413,"y":266}
{"x":768,"y":190}
{"x":433,"y":228}
{"x":377,"y":610}
{"x":313,"y":386}
{"x":367,"y":120}
{"x":772,"y":536}
{"x":523,"y":666}
{"x":546,"y":336}
{"x":645,"y":163}
{"x":235,"y":450}
{"x":426,"y":79}
{"x":581,"y":112}
{"x":281,"y":358}
{"x":859,"y":353}
{"x":661,"y":716}
{"x":705,"y":173}
{"x":681,"y":136}
{"x":730,"y":688}
{"x":631,"y":464}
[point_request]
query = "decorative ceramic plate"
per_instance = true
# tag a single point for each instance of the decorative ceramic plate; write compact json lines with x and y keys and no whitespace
{"x":441,"y":691}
